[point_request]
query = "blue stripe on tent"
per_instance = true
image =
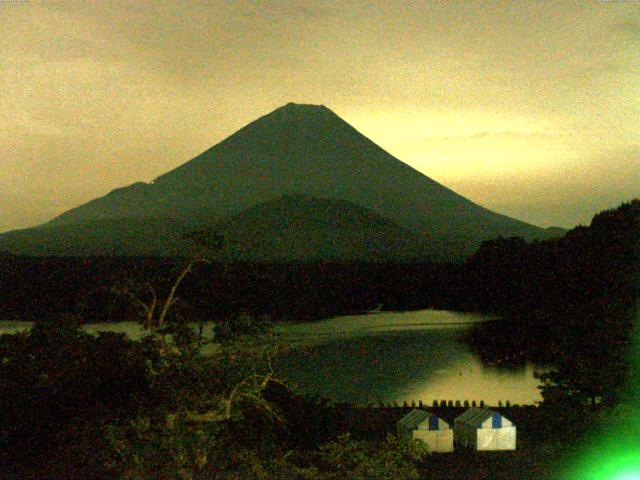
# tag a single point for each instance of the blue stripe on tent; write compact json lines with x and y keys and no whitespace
{"x":433,"y":422}
{"x":496,"y":420}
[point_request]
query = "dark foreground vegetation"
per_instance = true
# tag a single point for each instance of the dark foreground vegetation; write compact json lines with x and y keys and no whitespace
{"x":77,"y":406}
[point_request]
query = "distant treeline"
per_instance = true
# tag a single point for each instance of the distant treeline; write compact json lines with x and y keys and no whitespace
{"x":592,"y":268}
{"x":100,"y":289}
{"x":573,"y":294}
{"x":590,"y":274}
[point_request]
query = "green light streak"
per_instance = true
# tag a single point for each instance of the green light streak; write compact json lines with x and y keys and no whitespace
{"x":613,"y":450}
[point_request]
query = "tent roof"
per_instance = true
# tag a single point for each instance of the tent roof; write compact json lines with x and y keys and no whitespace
{"x":414,"y":418}
{"x":475,"y":416}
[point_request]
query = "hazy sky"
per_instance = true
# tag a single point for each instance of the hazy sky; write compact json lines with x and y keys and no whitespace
{"x":530,"y":108}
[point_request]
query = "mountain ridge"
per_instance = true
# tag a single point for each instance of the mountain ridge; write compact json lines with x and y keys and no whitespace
{"x":305,"y":149}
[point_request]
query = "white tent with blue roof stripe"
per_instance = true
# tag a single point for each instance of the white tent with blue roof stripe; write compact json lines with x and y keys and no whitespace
{"x":427,"y":427}
{"x":484,"y":429}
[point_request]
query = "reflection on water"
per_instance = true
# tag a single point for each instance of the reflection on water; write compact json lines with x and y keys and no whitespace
{"x":376,"y":323}
{"x":409,"y":356}
{"x":383,"y":357}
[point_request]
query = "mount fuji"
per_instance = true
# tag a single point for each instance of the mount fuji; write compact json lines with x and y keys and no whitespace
{"x":297,"y":183}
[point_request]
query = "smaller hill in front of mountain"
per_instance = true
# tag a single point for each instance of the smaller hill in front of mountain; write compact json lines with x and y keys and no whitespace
{"x":300,"y":227}
{"x":294,"y":227}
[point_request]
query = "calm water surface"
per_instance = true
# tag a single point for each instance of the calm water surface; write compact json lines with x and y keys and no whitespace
{"x":403,"y":356}
{"x":384,"y":357}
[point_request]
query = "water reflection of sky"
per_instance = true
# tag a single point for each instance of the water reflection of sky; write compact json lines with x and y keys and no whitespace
{"x":377,"y":323}
{"x":408,"y":356}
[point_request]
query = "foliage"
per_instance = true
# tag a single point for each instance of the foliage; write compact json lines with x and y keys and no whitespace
{"x":346,"y":458}
{"x":152,"y":408}
{"x":569,"y":301}
{"x":161,"y":447}
{"x":242,"y":326}
{"x":197,"y":400}
{"x":56,"y":380}
{"x":341,"y":459}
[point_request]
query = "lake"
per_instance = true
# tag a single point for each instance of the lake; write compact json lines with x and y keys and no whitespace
{"x":400,"y":356}
{"x":384,"y":357}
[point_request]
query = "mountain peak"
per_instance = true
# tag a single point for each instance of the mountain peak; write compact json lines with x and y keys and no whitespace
{"x":301,"y":110}
{"x":294,"y":116}
{"x":303,"y":106}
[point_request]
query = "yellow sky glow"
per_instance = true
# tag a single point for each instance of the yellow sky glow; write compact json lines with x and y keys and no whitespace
{"x":531,"y":109}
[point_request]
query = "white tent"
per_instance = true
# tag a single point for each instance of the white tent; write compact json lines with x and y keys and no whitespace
{"x":483,"y":429}
{"x":425,"y":426}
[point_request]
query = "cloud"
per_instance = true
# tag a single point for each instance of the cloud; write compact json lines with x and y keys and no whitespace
{"x":598,"y":180}
{"x":502,"y":135}
{"x":516,"y":135}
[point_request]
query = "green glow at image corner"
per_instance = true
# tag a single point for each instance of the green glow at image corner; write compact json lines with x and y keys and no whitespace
{"x":612,"y":467}
{"x":618,"y":458}
{"x":633,"y":474}
{"x":627,"y":476}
